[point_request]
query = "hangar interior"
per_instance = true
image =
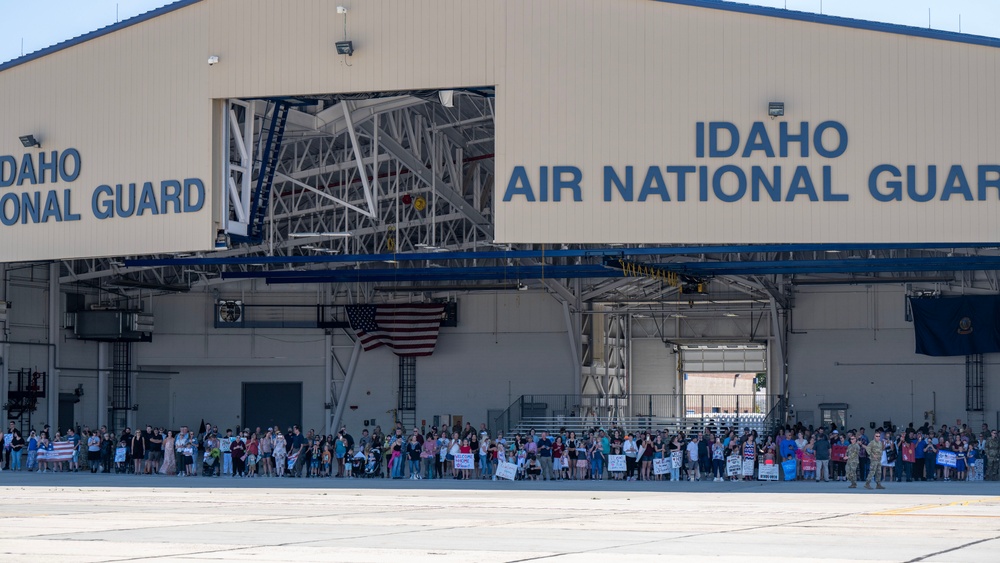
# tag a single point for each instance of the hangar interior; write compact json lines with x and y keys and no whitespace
{"x":325,"y":200}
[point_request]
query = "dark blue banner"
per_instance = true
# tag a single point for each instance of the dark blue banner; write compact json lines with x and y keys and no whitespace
{"x":956,"y":326}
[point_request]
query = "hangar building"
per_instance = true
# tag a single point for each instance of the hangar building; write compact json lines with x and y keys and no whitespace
{"x":649,"y":212}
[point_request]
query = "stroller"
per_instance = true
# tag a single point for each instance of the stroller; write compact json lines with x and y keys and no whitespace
{"x":358,"y":463}
{"x":209,"y":465}
{"x":373,"y":468}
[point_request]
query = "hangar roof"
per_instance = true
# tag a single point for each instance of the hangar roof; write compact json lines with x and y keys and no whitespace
{"x":129,"y":22}
{"x":709,"y":4}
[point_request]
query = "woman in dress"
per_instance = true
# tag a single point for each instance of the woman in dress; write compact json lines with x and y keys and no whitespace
{"x":280,"y":453}
{"x":889,"y":454}
{"x":138,"y":448}
{"x":750,"y":453}
{"x":571,"y":451}
{"x":169,"y":465}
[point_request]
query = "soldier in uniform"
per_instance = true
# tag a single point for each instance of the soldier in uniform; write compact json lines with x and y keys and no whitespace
{"x":853,"y":456}
{"x":993,"y":457}
{"x":875,"y":455}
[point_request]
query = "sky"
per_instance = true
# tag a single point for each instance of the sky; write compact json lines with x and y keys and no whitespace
{"x":42,"y":23}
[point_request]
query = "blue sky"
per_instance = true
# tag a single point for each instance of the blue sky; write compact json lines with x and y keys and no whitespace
{"x":41,"y":23}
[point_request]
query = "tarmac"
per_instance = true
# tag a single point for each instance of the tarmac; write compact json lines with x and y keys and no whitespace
{"x":84,"y":517}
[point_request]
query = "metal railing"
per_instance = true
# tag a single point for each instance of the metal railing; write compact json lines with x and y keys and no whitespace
{"x":555,"y":411}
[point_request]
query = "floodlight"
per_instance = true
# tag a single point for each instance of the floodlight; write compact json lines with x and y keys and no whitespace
{"x":776,"y":109}
{"x":345,"y":48}
{"x":29,"y":141}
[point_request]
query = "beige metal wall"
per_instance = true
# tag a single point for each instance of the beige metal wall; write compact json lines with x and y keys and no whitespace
{"x":271,"y":47}
{"x":590,"y":83}
{"x":584,"y":83}
{"x":135,"y":105}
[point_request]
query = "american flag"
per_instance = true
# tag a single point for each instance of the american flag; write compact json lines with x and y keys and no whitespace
{"x":61,"y":451}
{"x":409,"y":330}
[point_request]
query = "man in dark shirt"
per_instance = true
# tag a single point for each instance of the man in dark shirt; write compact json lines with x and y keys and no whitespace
{"x":153,"y":446}
{"x":822,"y":456}
{"x":545,"y":455}
{"x":704,"y":458}
{"x":300,"y":447}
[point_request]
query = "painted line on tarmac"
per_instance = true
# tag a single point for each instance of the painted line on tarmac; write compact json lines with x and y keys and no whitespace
{"x":687,"y":536}
{"x":910,"y":509}
{"x":956,"y":548}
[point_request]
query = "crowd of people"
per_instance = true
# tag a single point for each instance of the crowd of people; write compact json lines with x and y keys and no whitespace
{"x":950,"y":453}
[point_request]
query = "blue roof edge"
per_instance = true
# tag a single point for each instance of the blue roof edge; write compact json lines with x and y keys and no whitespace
{"x":840,"y":21}
{"x":97,"y":33}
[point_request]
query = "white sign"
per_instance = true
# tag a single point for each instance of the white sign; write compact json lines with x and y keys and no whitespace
{"x":748,"y":468}
{"x":616,"y":463}
{"x":734,"y":465}
{"x":661,"y":466}
{"x":676,"y":460}
{"x":506,"y":470}
{"x":977,"y":475}
{"x":464,"y":461}
{"x":768,"y":473}
{"x":947,"y":459}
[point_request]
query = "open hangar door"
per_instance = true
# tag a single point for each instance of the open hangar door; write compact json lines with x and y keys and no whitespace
{"x":724,"y":381}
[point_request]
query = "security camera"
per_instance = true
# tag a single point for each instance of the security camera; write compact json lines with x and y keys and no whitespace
{"x":213,"y":60}
{"x":341,"y":9}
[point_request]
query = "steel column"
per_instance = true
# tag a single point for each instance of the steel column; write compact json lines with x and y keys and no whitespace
{"x":352,"y":367}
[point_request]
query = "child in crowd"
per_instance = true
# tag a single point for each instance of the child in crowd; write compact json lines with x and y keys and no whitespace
{"x":315,"y":457}
{"x":522,"y":461}
{"x":557,"y":458}
{"x":809,"y":461}
{"x":327,"y":460}
{"x":960,"y":456}
{"x":616,"y":449}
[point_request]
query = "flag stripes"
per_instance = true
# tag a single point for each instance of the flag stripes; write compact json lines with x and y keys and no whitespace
{"x":409,"y":330}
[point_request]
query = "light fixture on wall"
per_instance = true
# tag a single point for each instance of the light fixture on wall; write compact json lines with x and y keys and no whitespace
{"x":775,"y":109}
{"x":29,"y":141}
{"x":344,"y":47}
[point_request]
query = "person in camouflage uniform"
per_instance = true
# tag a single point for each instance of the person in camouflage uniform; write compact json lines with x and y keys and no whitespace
{"x":853,"y":456}
{"x":875,"y":455}
{"x":992,"y":457}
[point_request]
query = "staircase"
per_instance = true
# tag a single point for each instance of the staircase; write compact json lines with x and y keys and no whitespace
{"x":261,"y":197}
